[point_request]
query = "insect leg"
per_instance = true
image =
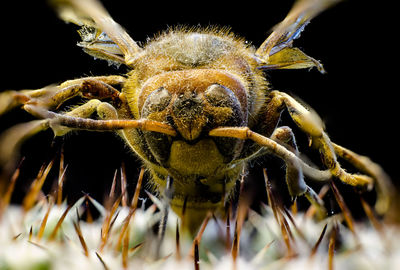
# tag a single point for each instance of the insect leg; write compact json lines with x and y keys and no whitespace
{"x":99,"y":125}
{"x":83,"y":111}
{"x":52,"y":97}
{"x":311,"y":124}
{"x":385,"y":188}
{"x":90,"y":87}
{"x":294,"y":174}
{"x":272,"y":147}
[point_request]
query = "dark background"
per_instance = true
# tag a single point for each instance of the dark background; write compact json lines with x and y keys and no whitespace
{"x":356,"y":98}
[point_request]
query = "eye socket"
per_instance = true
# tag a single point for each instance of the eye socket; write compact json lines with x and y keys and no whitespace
{"x":219,"y":95}
{"x":157,"y":101}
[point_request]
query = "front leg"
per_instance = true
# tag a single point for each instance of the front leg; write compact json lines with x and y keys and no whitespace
{"x":52,"y":97}
{"x":294,"y":173}
{"x":312,"y":125}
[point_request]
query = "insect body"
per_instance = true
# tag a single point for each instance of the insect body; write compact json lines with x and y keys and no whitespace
{"x":195,"y":108}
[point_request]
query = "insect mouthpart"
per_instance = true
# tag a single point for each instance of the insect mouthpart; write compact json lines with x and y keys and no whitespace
{"x":193,"y":102}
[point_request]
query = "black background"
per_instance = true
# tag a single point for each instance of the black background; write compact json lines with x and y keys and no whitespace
{"x":356,"y":98}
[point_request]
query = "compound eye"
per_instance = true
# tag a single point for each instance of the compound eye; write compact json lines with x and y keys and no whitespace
{"x":157,"y":101}
{"x":219,"y":95}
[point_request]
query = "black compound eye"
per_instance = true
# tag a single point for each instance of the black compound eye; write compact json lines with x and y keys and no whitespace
{"x":157,"y":101}
{"x":219,"y":95}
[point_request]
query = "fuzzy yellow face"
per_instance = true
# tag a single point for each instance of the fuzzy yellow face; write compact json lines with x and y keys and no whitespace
{"x":195,"y":80}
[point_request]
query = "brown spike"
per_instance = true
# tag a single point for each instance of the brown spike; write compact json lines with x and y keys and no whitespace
{"x":16,"y":237}
{"x":44,"y":221}
{"x":199,"y":235}
{"x":242,"y":211}
{"x":81,"y":239}
{"x":30,"y":234}
{"x":62,"y":163}
{"x":184,"y":211}
{"x":10,"y":189}
{"x":61,"y":177}
{"x":375,"y":222}
{"x":59,"y":223}
{"x":36,"y":187}
{"x":271,"y":199}
{"x":102,"y":261}
{"x":279,"y":217}
{"x":136,"y":247}
{"x":167,"y":195}
{"x":331,"y":248}
{"x":315,"y":248}
{"x":345,"y":210}
{"x":135,"y":198}
{"x":294,"y":207}
{"x":89,"y":216}
{"x":109,"y":201}
{"x":133,"y":207}
{"x":60,"y":185}
{"x":286,"y":234}
{"x":177,"y":241}
{"x":299,"y":232}
{"x":107,"y":224}
{"x":196,"y":256}
{"x":228,"y":229}
{"x":124,"y":228}
{"x":125,"y":249}
{"x":257,"y":258}
{"x":371,"y":215}
{"x":113,"y":221}
{"x":235,"y":245}
{"x":124,"y":186}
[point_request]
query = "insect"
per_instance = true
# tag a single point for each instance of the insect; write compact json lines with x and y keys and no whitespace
{"x":195,"y":107}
